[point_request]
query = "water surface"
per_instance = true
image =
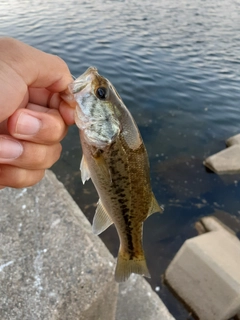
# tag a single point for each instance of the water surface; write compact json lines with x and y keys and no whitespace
{"x":176,"y":65}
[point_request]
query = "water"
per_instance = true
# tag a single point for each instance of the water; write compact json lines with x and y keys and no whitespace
{"x":176,"y":65}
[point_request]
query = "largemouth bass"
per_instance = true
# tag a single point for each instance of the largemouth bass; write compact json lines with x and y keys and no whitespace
{"x":115,"y":158}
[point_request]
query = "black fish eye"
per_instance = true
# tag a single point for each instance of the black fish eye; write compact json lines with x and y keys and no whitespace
{"x":101,"y":93}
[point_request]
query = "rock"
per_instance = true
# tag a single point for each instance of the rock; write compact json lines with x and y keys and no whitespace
{"x":205,"y":274}
{"x":147,"y":306}
{"x":225,"y":161}
{"x":52,"y":267}
{"x":233,"y":140}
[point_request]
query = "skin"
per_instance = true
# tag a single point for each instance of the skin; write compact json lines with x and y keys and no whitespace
{"x":33,"y":117}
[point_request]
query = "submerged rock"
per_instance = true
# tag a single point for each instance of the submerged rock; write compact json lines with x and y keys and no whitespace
{"x":233,"y":140}
{"x":225,"y":161}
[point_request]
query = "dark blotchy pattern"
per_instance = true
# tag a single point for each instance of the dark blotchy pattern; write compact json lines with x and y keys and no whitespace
{"x":127,"y":197}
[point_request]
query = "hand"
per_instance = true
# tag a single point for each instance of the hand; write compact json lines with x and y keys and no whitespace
{"x":33,"y":117}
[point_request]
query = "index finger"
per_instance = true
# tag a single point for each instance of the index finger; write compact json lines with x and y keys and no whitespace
{"x":35,"y":67}
{"x":22,"y":66}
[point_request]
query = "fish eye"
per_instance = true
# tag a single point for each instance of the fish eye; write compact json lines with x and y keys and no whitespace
{"x":101,"y":93}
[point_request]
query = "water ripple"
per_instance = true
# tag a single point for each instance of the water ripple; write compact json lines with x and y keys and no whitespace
{"x":176,"y":65}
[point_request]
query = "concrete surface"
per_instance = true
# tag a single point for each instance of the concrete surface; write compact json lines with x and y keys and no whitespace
{"x":205,"y":274}
{"x":233,"y":140}
{"x":225,"y":161}
{"x":52,"y":267}
{"x":147,"y":307}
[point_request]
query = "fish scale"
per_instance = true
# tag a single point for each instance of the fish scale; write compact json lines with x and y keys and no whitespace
{"x":115,"y":158}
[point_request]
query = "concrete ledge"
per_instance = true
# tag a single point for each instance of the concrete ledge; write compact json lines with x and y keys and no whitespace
{"x":52,"y":267}
{"x":146,"y":307}
{"x":205,"y":274}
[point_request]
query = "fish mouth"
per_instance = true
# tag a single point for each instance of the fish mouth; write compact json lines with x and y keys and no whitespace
{"x":82,"y":81}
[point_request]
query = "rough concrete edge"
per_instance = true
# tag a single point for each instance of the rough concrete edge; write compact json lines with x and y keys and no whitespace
{"x":52,"y":178}
{"x":77,"y":217}
{"x":80,"y":218}
{"x":146,"y":298}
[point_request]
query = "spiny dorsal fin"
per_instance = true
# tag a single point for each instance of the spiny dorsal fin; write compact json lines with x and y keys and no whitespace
{"x":85,"y":173}
{"x":155,"y":207}
{"x":101,"y":220}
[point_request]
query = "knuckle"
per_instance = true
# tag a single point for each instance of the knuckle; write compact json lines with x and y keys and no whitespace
{"x":41,"y":157}
{"x":48,"y":156}
{"x":57,"y":131}
{"x":56,"y":154}
{"x":57,"y":125}
{"x":17,"y":178}
{"x":62,"y":63}
{"x":20,"y":179}
{"x":36,"y":177}
{"x":26,"y":178}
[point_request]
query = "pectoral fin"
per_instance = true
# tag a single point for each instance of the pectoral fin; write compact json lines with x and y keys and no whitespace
{"x":155,"y":207}
{"x":85,"y":173}
{"x":101,"y":220}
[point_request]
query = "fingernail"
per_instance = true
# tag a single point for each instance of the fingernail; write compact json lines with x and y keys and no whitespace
{"x":27,"y":125}
{"x":10,"y":149}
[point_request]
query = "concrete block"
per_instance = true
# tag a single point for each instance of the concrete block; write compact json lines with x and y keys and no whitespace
{"x":205,"y":273}
{"x":52,"y":267}
{"x":233,"y":140}
{"x":137,"y":301}
{"x":225,"y":161}
{"x":212,"y":223}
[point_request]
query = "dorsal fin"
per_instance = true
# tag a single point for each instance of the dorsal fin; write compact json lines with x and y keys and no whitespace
{"x":101,"y":220}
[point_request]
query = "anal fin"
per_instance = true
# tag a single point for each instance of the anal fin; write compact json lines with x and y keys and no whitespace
{"x":101,"y":220}
{"x":85,"y":173}
{"x":155,"y":207}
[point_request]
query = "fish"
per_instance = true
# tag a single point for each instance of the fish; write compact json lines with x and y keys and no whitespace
{"x":115,"y":158}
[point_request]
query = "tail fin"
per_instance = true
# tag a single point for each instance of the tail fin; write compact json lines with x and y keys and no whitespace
{"x":125,"y":267}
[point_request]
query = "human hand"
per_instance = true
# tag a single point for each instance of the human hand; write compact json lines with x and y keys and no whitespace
{"x":33,"y":117}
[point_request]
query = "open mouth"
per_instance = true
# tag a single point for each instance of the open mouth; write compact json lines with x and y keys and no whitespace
{"x":82,"y":81}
